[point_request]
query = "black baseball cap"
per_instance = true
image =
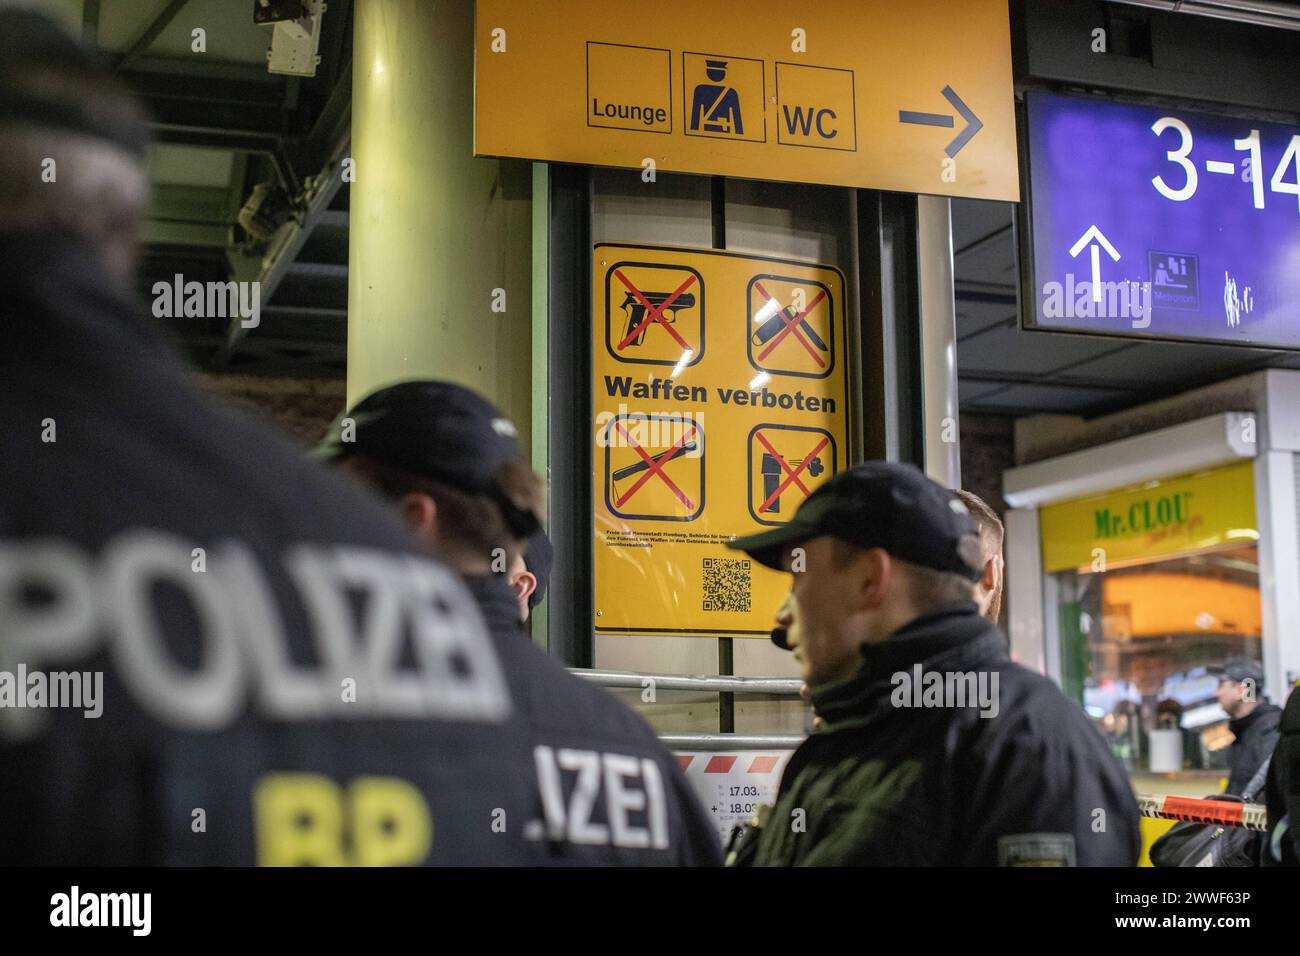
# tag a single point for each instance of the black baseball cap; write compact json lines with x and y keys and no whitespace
{"x":30,"y":39}
{"x":881,"y":504}
{"x":439,"y":430}
{"x":1241,"y":669}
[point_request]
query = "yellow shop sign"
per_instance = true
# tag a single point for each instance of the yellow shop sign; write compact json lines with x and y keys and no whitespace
{"x":1156,"y":519}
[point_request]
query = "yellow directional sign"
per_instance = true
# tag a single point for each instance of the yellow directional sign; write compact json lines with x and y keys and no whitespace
{"x":914,"y":96}
{"x":719,"y":402}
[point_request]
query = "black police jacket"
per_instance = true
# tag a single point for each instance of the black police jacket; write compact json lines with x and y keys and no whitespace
{"x":906,"y":772}
{"x":1256,"y":736}
{"x":608,"y":792}
{"x":215,"y":652}
{"x":1282,"y":790}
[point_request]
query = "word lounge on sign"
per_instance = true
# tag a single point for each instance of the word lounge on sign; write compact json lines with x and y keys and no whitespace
{"x":646,"y":115}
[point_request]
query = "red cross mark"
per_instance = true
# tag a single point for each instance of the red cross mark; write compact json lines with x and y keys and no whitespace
{"x":654,"y":468}
{"x":791,"y":325}
{"x":791,"y":473}
{"x":653,"y":313}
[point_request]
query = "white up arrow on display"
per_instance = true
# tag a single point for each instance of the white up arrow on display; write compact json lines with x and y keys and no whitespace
{"x":1094,"y":236}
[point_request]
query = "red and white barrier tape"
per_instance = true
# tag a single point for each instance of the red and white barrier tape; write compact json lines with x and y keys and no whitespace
{"x":1251,"y":816}
{"x":723,"y":763}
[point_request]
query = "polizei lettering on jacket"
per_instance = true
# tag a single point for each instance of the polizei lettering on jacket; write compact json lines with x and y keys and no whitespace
{"x":392,"y":635}
{"x":600,"y":799}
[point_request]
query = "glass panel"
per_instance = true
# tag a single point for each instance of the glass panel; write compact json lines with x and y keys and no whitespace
{"x":1138,"y":648}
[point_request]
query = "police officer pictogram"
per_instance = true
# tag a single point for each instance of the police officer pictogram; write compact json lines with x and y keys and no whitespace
{"x":724,"y":96}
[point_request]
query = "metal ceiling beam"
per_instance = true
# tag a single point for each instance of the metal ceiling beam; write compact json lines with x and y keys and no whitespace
{"x":338,"y":28}
{"x":241,"y":102}
{"x":90,"y":24}
{"x":1265,"y":13}
{"x":195,"y":68}
{"x":151,"y":33}
{"x":319,"y":313}
{"x":247,"y":143}
{"x":241,"y":108}
{"x":222,"y":113}
{"x":326,"y":146}
{"x":333,"y":124}
{"x":288,"y":244}
{"x":1050,"y":380}
{"x":968,"y":291}
{"x":992,"y":239}
{"x":173,"y":232}
{"x":323,"y":349}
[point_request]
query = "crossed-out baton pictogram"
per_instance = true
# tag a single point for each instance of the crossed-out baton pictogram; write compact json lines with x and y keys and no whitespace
{"x":791,"y":325}
{"x":653,"y":313}
{"x":653,"y":466}
{"x":792,"y":474}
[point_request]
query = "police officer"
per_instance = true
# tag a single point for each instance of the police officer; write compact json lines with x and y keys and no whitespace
{"x":211,"y":651}
{"x":608,"y":792}
{"x":1252,"y":720}
{"x":531,"y":573}
{"x":937,"y":750}
{"x":988,"y":590}
{"x":1282,"y":792}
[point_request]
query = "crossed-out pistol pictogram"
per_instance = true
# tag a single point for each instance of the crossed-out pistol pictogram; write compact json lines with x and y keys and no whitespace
{"x":663,"y":309}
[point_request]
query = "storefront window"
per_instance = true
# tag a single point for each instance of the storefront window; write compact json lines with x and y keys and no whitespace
{"x":1139,"y":645}
{"x":1150,"y":588}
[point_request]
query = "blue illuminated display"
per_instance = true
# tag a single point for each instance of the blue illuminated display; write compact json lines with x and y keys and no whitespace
{"x":1163,"y":222}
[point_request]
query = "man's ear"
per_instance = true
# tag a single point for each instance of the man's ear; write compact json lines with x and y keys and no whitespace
{"x":989,"y":580}
{"x":876,"y":575}
{"x":525,"y":584}
{"x":421,"y":513}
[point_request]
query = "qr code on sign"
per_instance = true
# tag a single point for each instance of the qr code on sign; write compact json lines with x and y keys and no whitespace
{"x":726,"y":584}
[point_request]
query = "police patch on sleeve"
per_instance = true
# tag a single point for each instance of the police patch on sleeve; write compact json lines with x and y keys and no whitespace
{"x":1036,"y":849}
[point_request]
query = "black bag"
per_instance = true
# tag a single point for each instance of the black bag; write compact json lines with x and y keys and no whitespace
{"x":1209,"y":844}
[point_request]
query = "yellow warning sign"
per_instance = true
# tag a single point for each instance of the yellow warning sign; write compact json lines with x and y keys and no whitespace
{"x":915,"y":96}
{"x":720,"y":402}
